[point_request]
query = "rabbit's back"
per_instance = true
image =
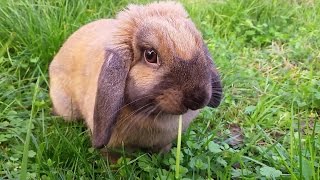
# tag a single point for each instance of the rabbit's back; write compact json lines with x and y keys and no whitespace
{"x":75,"y":69}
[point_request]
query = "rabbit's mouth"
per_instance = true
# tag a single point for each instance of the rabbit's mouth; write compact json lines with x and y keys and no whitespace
{"x":175,"y":101}
{"x":170,"y":103}
{"x":159,"y":105}
{"x":157,"y":109}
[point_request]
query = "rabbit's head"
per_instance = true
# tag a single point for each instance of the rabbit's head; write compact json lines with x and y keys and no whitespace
{"x":160,"y":65}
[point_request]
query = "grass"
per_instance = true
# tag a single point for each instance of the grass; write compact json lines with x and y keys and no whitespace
{"x":177,"y":168}
{"x":267,"y":127}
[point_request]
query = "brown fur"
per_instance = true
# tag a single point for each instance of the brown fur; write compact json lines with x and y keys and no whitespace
{"x":175,"y":28}
{"x":100,"y":75}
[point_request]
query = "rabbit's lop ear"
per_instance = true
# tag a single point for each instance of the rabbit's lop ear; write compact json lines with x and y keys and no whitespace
{"x":216,"y":95}
{"x":109,"y":97}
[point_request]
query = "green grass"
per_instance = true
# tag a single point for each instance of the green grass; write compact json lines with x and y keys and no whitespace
{"x":268,"y":53}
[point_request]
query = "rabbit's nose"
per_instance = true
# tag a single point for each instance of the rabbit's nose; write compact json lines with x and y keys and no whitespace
{"x":196,"y":100}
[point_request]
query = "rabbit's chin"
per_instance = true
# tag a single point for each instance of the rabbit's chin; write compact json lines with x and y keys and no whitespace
{"x":174,"y":111}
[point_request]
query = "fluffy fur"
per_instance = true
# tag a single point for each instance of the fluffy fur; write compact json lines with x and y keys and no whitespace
{"x":100,"y":75}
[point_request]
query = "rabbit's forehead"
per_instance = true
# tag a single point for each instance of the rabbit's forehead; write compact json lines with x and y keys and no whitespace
{"x":171,"y":39}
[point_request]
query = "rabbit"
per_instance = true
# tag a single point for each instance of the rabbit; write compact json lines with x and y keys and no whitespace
{"x":129,"y":78}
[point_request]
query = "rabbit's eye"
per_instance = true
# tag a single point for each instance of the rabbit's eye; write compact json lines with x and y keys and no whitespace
{"x":150,"y":56}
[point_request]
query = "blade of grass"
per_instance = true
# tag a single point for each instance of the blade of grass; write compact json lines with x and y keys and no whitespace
{"x":292,"y":139}
{"x":300,"y":148}
{"x":178,"y":148}
{"x":280,"y":151}
{"x":6,"y":45}
{"x":24,"y":164}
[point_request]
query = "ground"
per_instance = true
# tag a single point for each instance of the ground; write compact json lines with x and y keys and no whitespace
{"x":268,"y":53}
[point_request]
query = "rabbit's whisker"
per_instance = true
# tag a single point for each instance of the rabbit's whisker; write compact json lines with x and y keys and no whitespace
{"x":126,"y":105}
{"x":155,"y":118}
{"x":123,"y":121}
{"x":215,"y":81}
{"x":218,"y":90}
{"x":147,"y":110}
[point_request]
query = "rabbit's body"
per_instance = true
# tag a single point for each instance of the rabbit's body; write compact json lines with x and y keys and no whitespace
{"x":82,"y":72}
{"x":131,"y":77}
{"x":132,"y":128}
{"x":139,"y":131}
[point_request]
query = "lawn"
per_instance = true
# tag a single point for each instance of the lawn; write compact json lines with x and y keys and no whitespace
{"x":267,"y":127}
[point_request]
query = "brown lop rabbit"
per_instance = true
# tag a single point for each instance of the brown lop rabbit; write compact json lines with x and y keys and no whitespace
{"x":131,"y":77}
